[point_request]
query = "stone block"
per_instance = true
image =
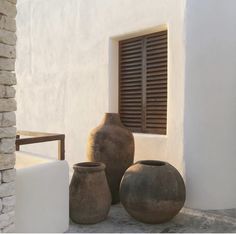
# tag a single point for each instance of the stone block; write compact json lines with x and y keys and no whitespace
{"x":7,"y":91}
{"x":7,"y":23}
{"x":10,"y":92}
{"x":7,"y":119}
{"x":12,"y":1}
{"x":7,"y":37}
{"x":7,"y":189}
{"x":0,"y":204}
{"x":7,"y":132}
{"x":8,"y":175}
{"x":7,"y":78}
{"x":7,"y":145}
{"x":2,"y":91}
{"x":6,"y":219}
{"x":9,"y":229}
{"x":7,"y":64}
{"x":8,"y":204}
{"x":7,"y":161}
{"x":7,"y":8}
{"x":7,"y":105}
{"x":7,"y":51}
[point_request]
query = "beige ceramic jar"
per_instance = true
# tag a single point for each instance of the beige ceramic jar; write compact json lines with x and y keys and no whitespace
{"x":113,"y":144}
{"x":90,"y":197}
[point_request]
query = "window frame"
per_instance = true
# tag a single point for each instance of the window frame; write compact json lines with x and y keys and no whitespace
{"x":143,"y":128}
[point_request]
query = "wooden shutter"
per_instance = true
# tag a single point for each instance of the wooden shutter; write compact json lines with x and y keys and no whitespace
{"x":143,"y":83}
{"x":131,"y":83}
{"x":156,"y":83}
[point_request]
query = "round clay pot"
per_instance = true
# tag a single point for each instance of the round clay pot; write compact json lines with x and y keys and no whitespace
{"x":113,"y":144}
{"x":90,"y":197}
{"x":152,"y":191}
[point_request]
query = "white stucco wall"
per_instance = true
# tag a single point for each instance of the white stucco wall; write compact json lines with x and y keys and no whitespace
{"x":66,"y":69}
{"x":210,"y":104}
{"x":67,"y":80}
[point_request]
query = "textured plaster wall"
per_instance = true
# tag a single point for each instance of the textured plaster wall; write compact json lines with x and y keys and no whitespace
{"x":210,"y":104}
{"x":66,"y":69}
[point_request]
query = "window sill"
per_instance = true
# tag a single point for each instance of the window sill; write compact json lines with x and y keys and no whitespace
{"x":149,"y":135}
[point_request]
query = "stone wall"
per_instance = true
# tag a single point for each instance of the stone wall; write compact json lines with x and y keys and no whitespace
{"x":7,"y":114}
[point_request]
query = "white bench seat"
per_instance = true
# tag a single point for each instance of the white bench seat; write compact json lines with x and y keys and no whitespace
{"x":42,"y":194}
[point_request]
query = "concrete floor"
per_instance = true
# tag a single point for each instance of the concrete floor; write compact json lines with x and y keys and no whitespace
{"x":187,"y":220}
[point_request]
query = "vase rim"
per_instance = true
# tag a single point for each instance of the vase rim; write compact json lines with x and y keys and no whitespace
{"x":89,"y":166}
{"x":152,"y":163}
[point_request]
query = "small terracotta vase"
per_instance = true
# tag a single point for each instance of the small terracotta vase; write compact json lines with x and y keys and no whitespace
{"x":90,"y":197}
{"x":113,"y":144}
{"x":152,"y":191}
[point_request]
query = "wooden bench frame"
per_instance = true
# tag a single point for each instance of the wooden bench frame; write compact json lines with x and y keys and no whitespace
{"x":39,"y":137}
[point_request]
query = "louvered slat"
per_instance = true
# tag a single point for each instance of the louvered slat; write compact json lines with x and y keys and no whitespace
{"x":156,"y":82}
{"x":143,"y":83}
{"x":130,"y":88}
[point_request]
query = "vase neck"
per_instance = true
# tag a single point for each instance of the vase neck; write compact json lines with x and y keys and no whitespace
{"x":111,"y":118}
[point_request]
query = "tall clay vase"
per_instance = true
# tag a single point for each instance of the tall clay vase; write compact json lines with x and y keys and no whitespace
{"x":113,"y":144}
{"x":152,"y":191}
{"x":90,"y":197}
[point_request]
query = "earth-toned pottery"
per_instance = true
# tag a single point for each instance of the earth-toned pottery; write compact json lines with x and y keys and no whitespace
{"x":113,"y":144}
{"x":152,"y":191}
{"x":90,"y":197}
